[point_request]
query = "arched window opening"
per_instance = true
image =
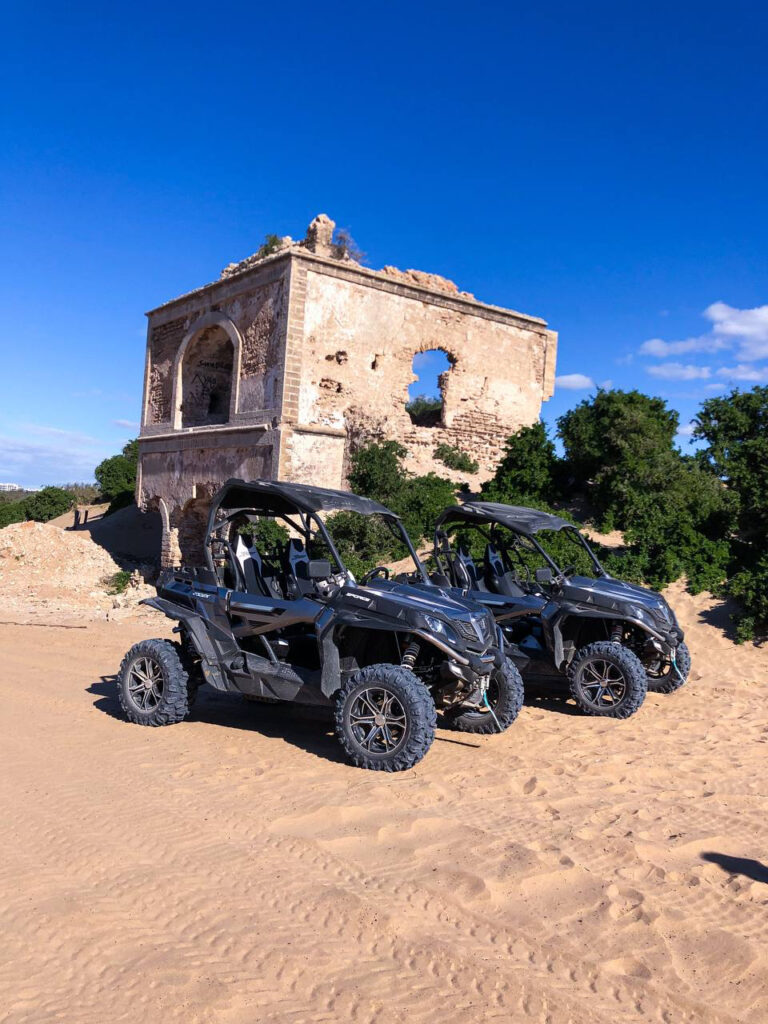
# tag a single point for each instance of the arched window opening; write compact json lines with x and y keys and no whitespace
{"x":206,"y":379}
{"x":426,"y":395}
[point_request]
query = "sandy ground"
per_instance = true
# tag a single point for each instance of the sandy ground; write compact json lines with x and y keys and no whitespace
{"x":233,"y":869}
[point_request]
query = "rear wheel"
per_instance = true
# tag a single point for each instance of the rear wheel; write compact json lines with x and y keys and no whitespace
{"x":671,"y":677}
{"x":505,"y":697}
{"x":152,"y":686}
{"x":607,"y":680}
{"x":385,"y":718}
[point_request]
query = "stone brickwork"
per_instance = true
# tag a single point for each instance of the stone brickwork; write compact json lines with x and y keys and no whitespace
{"x":291,"y":359}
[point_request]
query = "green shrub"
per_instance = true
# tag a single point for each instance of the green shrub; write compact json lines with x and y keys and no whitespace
{"x":613,"y":443}
{"x":48,"y":503}
{"x":363,"y":542}
{"x":455,"y":458}
{"x":265,"y":534}
{"x":12,"y":512}
{"x":376,"y":470}
{"x":118,"y":582}
{"x":528,"y":469}
{"x":117,"y":475}
{"x":735,"y":429}
{"x":425,"y":411}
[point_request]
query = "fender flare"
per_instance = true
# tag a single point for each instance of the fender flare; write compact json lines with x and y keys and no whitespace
{"x":198,"y":634}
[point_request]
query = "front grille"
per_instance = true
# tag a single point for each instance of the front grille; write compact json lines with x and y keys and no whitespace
{"x":477,"y":631}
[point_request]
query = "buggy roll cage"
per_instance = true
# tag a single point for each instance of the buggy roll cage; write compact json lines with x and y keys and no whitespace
{"x":523,"y":522}
{"x":277,"y":500}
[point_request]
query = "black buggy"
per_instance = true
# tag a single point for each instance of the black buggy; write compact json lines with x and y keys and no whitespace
{"x":611,"y":640}
{"x":274,"y":614}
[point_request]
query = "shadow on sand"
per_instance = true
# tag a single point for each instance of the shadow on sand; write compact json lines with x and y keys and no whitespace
{"x":308,"y":728}
{"x":745,"y":866}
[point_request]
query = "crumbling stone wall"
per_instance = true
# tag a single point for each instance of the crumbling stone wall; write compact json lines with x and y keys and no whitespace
{"x":164,"y":342}
{"x":357,"y":365}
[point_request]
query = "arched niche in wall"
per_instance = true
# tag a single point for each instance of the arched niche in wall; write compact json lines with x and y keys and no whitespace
{"x":207,"y":373}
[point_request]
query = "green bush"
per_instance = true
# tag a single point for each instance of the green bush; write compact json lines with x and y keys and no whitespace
{"x":12,"y":512}
{"x":48,"y":503}
{"x":265,"y":533}
{"x":377,"y":472}
{"x":117,"y":475}
{"x":425,"y":411}
{"x":750,"y":588}
{"x":613,"y":443}
{"x":528,"y":469}
{"x":420,"y":500}
{"x":735,"y":429}
{"x":455,"y":458}
{"x":363,"y":542}
{"x":118,"y":582}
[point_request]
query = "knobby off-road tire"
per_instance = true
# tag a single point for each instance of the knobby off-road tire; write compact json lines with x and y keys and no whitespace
{"x":505,"y":695}
{"x":152,"y":685}
{"x":668,"y":681}
{"x":607,"y":680}
{"x":385,"y":718}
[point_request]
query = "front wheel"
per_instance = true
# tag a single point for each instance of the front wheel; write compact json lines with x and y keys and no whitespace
{"x":671,"y":676}
{"x":152,"y":685}
{"x":385,"y":718}
{"x":607,"y":680}
{"x":504,"y":699}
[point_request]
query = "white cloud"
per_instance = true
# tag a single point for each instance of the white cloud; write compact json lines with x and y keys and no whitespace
{"x":574,"y":382}
{"x":680,"y":371}
{"x":687,"y":429}
{"x":660,"y":348}
{"x":745,"y":330}
{"x":32,"y":464}
{"x":57,"y":434}
{"x":128,"y":424}
{"x":748,"y":327}
{"x":743,"y":372}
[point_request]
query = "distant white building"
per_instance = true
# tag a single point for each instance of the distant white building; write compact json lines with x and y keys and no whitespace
{"x":10,"y":487}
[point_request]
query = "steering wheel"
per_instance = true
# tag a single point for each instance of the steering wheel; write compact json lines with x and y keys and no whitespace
{"x":380,"y":570}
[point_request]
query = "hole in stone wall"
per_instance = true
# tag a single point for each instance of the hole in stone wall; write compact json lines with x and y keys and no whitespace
{"x":425,"y":395}
{"x":206,"y":379}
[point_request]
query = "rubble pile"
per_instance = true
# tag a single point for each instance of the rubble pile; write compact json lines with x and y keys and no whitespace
{"x":48,"y":571}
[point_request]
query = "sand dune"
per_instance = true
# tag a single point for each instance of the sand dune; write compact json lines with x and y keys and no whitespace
{"x":234,"y":869}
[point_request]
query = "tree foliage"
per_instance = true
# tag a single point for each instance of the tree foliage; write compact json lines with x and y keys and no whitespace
{"x":527,"y":471}
{"x":41,"y":506}
{"x":735,"y":429}
{"x":116,"y":476}
{"x":455,"y":458}
{"x":48,"y":503}
{"x":377,"y":472}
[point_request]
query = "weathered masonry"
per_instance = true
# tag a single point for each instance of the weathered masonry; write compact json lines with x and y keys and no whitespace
{"x":298,"y":353}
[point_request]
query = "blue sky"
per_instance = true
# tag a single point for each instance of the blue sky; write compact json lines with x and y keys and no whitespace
{"x":600,"y":165}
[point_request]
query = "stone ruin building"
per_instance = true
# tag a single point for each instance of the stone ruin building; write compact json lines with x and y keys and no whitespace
{"x":298,"y":353}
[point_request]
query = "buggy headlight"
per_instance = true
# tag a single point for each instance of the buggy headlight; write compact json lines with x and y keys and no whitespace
{"x":441,"y":628}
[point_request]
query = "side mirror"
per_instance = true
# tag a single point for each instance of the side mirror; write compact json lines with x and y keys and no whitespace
{"x":543,"y":575}
{"x":319,"y":569}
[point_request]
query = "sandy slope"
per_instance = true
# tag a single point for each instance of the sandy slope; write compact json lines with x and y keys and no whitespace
{"x":232,"y":869}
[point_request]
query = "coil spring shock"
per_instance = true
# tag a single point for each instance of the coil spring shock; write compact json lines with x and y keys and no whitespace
{"x":410,"y":654}
{"x":617,"y":633}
